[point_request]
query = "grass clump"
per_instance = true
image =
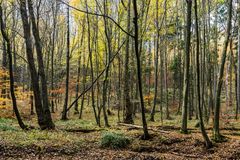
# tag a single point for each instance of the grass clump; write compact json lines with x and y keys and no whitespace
{"x":114,"y":140}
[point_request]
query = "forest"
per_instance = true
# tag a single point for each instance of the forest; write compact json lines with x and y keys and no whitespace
{"x":119,"y":79}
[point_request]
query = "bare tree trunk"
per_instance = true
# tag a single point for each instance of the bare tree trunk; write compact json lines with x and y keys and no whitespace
{"x":34,"y":76}
{"x":204,"y":133}
{"x":139,"y":71}
{"x":64,"y":113}
{"x":54,"y":8}
{"x":108,"y":57}
{"x":186,"y":68}
{"x":91,"y":66}
{"x":238,"y":61}
{"x":38,"y":44}
{"x":9,"y":52}
{"x":128,"y":117}
{"x":216,"y":132}
{"x":156,"y":57}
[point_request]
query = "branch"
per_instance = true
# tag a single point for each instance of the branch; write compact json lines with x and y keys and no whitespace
{"x":97,"y":14}
{"x":86,"y":90}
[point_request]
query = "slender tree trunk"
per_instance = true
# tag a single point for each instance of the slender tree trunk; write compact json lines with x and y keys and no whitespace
{"x":38,"y":44}
{"x":139,"y":71}
{"x":238,"y":60}
{"x":216,"y":131}
{"x":108,"y":57}
{"x":9,"y":52}
{"x":91,"y":66}
{"x":64,"y":113}
{"x":186,"y":68}
{"x":156,"y":57}
{"x":128,"y":117}
{"x":204,"y":133}
{"x":54,"y":7}
{"x":166,"y":63}
{"x":76,"y":111}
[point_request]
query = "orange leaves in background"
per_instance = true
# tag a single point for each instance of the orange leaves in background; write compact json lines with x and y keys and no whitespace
{"x":149,"y":97}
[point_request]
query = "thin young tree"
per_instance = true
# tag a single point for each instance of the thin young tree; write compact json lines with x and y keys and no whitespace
{"x":10,"y":63}
{"x":139,"y":70}
{"x":208,"y":143}
{"x":156,"y":59}
{"x":128,"y":106}
{"x":216,"y":130}
{"x":64,"y":113}
{"x":186,"y":67}
{"x":238,"y":60}
{"x":91,"y":65}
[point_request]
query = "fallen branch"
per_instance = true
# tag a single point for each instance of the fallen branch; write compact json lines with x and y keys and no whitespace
{"x":82,"y":130}
{"x":132,"y":126}
{"x":186,"y":155}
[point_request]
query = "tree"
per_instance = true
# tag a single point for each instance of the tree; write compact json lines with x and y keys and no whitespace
{"x":128,"y":106}
{"x":238,"y":60}
{"x":43,"y":123}
{"x":91,"y":66}
{"x":204,"y":134}
{"x":9,"y":52}
{"x":186,"y":67}
{"x":216,"y":131}
{"x":38,"y":45}
{"x":64,"y":113}
{"x":156,"y":57}
{"x":139,"y":71}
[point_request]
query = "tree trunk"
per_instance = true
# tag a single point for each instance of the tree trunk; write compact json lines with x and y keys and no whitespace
{"x":139,"y":70}
{"x":204,"y":133}
{"x":186,"y":68}
{"x":64,"y":113}
{"x":128,"y":116}
{"x":35,"y":31}
{"x":156,"y":57}
{"x":9,"y":52}
{"x":34,"y":76}
{"x":238,"y":61}
{"x":216,"y":131}
{"x":91,"y":65}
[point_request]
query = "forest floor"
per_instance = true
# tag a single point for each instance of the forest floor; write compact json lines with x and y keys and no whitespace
{"x":80,"y":139}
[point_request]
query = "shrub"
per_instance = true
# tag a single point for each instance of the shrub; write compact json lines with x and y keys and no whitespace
{"x":114,"y":140}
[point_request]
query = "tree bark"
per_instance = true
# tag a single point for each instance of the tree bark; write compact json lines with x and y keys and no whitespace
{"x":128,"y":116}
{"x":139,"y":70}
{"x":64,"y":113}
{"x":186,"y":67}
{"x":208,"y":143}
{"x":9,"y":52}
{"x":34,"y":76}
{"x":216,"y":131}
{"x":35,"y":31}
